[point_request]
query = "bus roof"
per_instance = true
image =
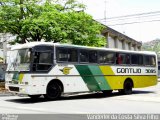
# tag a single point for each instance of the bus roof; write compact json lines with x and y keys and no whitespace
{"x":107,"y":49}
{"x":32,"y":44}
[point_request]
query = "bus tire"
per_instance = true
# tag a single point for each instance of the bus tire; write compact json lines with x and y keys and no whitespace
{"x":107,"y":92}
{"x":54,"y":91}
{"x":34,"y":97}
{"x":127,"y":87}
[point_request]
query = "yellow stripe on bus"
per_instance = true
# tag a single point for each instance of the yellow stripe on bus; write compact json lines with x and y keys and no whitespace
{"x":21,"y":77}
{"x":106,"y":70}
{"x":117,"y":82}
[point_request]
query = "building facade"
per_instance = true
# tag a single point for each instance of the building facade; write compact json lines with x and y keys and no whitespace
{"x":118,"y":40}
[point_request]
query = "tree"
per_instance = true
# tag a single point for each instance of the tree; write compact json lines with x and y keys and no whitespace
{"x":153,"y":46}
{"x":57,"y":21}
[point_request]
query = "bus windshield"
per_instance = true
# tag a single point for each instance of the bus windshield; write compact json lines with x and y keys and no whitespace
{"x":19,"y":60}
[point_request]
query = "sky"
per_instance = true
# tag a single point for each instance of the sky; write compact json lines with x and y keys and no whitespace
{"x":143,"y":31}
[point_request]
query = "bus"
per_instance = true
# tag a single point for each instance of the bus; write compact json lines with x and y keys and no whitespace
{"x":52,"y":70}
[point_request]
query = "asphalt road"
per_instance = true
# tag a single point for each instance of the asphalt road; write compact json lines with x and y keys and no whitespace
{"x":145,"y":100}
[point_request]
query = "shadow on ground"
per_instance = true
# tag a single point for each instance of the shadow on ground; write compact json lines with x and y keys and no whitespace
{"x":27,"y":100}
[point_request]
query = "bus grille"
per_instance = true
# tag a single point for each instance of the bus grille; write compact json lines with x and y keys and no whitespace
{"x":14,"y":89}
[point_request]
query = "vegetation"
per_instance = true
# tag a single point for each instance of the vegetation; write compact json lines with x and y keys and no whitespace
{"x":152,"y":46}
{"x":51,"y":20}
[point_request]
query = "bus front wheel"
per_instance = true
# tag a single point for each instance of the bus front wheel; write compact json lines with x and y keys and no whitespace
{"x":127,"y":88}
{"x":54,"y":91}
{"x":34,"y":96}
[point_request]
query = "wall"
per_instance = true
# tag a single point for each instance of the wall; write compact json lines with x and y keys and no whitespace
{"x":111,"y":43}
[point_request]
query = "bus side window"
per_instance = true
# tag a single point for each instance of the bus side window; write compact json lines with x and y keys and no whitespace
{"x":106,"y":57}
{"x":42,"y":61}
{"x":93,"y":56}
{"x":62,"y":54}
{"x":152,"y":61}
{"x":36,"y":57}
{"x":128,"y":59}
{"x":123,"y":58}
{"x":66,"y":55}
{"x":72,"y":55}
{"x":119,"y":59}
{"x":146,"y":60}
{"x":84,"y":57}
{"x":45,"y":58}
{"x":149,"y":60}
{"x":136,"y":59}
{"x":101,"y":57}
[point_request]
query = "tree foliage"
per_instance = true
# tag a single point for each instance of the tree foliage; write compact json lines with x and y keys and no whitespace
{"x":153,"y":46}
{"x":51,"y":20}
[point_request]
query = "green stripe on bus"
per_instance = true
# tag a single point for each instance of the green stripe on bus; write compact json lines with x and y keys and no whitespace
{"x":88,"y":77}
{"x":103,"y":84}
{"x":15,"y":76}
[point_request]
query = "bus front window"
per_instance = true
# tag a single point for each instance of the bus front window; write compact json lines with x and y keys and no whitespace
{"x":19,"y":60}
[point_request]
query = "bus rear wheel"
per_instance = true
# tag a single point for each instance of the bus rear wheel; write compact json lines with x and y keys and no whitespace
{"x":128,"y":85}
{"x":54,"y":91}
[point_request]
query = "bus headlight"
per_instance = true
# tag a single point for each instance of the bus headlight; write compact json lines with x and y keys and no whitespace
{"x":22,"y":89}
{"x":26,"y":83}
{"x":10,"y":82}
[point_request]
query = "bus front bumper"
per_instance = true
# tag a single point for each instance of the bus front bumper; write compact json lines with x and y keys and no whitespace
{"x":24,"y":89}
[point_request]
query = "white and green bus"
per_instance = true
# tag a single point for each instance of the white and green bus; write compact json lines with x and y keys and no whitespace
{"x":52,"y":69}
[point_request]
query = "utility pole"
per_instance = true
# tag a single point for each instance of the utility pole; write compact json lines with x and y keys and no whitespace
{"x":105,"y":11}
